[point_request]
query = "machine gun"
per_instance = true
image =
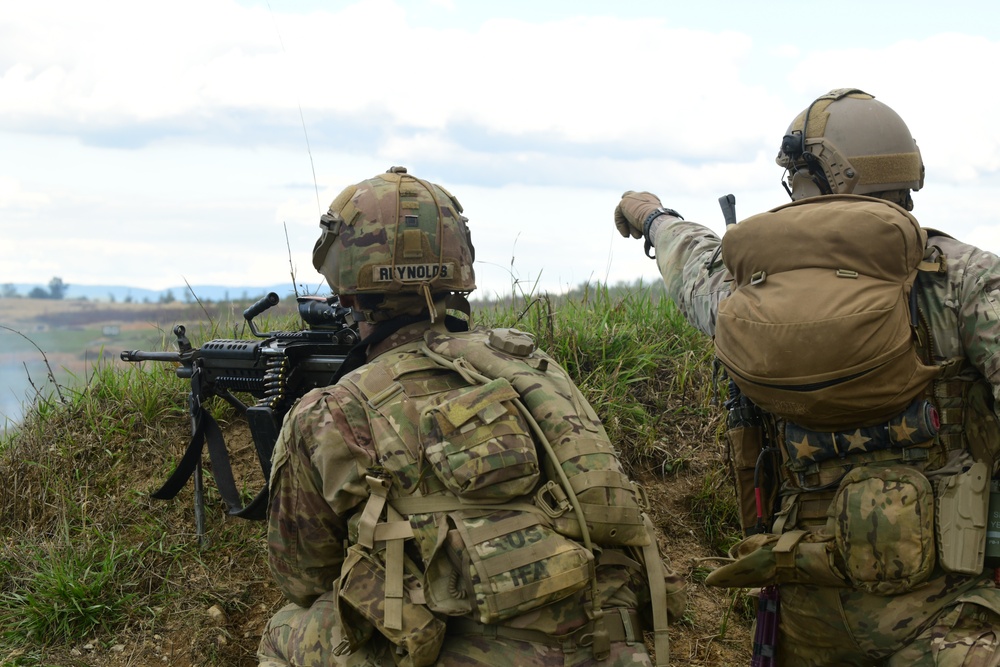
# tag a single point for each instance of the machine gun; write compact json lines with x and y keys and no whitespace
{"x":276,"y":370}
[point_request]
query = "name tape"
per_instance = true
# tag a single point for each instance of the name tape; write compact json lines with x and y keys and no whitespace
{"x":405,"y":272}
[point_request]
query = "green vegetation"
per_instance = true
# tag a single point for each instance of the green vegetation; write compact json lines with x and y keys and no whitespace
{"x":719,"y":512}
{"x":90,"y":565}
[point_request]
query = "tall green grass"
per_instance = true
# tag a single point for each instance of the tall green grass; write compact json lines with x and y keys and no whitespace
{"x":632,"y":355}
{"x":86,"y":556}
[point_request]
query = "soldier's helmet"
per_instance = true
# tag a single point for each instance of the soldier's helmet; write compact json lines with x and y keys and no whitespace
{"x":398,"y":242}
{"x":847,"y":142}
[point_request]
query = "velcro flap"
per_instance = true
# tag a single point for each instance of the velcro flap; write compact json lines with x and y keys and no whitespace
{"x":484,"y":401}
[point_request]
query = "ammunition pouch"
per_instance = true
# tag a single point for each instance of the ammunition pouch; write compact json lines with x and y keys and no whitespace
{"x":746,"y":446}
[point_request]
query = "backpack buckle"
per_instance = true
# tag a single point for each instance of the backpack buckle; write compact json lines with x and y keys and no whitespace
{"x":552,"y":500}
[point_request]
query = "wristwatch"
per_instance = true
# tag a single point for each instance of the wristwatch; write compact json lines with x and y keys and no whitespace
{"x":649,"y":221}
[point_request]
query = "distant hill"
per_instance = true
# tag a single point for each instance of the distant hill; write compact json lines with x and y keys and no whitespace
{"x":179,"y":292}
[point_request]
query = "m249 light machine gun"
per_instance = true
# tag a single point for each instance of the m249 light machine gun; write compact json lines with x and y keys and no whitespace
{"x":276,"y":370}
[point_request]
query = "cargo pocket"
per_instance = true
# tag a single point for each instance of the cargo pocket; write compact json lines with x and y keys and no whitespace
{"x":479,"y":445}
{"x":883,"y":524}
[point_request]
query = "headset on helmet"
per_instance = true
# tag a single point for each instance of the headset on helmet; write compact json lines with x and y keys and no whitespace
{"x":847,"y":142}
{"x":396,"y":241}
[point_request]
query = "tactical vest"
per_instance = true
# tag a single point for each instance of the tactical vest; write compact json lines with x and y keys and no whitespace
{"x":499,"y":473}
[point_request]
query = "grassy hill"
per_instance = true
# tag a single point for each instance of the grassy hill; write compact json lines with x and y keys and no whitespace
{"x":94,"y":572}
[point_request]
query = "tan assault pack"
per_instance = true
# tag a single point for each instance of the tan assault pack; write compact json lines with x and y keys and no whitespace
{"x":817,"y":329}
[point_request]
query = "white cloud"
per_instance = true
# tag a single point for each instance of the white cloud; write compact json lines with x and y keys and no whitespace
{"x":950,"y":113}
{"x":13,"y":196}
{"x":537,"y":126}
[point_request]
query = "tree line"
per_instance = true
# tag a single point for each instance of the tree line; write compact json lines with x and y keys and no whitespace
{"x":57,"y":290}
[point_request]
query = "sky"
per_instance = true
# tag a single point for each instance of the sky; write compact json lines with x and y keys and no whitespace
{"x":152,"y":143}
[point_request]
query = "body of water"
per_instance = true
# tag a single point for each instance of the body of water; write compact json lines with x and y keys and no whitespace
{"x":14,"y":391}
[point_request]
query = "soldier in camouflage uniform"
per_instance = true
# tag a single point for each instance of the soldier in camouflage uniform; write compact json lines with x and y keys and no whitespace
{"x":452,"y":499}
{"x":844,"y":603}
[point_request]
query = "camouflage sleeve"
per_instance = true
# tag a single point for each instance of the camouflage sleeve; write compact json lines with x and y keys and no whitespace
{"x":689,"y":260}
{"x":317,"y":480}
{"x":979,"y":308}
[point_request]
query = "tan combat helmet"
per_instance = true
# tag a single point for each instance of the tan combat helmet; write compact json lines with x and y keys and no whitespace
{"x":847,"y":142}
{"x":398,"y":242}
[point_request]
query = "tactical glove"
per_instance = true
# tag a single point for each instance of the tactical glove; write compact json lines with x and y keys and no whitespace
{"x":632,"y":211}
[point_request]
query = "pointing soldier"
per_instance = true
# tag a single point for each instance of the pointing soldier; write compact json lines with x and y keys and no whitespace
{"x":864,"y":365}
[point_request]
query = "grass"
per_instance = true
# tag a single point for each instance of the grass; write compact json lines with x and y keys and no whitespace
{"x":630,"y":352}
{"x":64,"y":594}
{"x":718,"y":511}
{"x":87,"y":558}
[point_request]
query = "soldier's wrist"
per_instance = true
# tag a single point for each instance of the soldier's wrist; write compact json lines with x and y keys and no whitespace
{"x":653,"y":222}
{"x":655,"y":219}
{"x":656,"y":224}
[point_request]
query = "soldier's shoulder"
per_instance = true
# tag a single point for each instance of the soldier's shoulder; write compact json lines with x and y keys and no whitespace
{"x":317,"y":403}
{"x":961,"y":257}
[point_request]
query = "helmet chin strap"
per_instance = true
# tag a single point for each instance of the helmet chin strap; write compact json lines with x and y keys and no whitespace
{"x":802,"y":184}
{"x":425,"y":289}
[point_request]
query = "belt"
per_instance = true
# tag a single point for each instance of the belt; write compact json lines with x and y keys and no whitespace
{"x":621,"y":624}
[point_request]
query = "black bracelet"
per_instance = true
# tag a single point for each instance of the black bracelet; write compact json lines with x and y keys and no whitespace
{"x":649,"y":221}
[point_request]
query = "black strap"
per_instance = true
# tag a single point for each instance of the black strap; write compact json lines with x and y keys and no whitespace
{"x":205,"y":429}
{"x":649,"y":221}
{"x":221,"y":470}
{"x":256,"y":510}
{"x":185,"y":468}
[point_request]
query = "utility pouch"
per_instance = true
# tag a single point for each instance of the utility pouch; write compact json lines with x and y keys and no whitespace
{"x":564,"y":424}
{"x":883,"y":523}
{"x":795,"y":557}
{"x":362,"y":597}
{"x":504,"y":564}
{"x":961,"y":503}
{"x":478,"y":443}
{"x":746,"y":442}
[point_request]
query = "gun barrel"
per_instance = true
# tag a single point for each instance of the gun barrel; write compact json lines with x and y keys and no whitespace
{"x":139,"y":355}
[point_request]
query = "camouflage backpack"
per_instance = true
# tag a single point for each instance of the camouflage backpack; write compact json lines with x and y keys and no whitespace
{"x":468,"y":428}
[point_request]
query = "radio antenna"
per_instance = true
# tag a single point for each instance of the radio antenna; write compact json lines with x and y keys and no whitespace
{"x":312,"y":165}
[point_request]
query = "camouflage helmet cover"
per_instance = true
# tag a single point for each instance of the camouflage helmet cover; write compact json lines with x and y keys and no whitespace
{"x":395,"y":234}
{"x":847,"y":142}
